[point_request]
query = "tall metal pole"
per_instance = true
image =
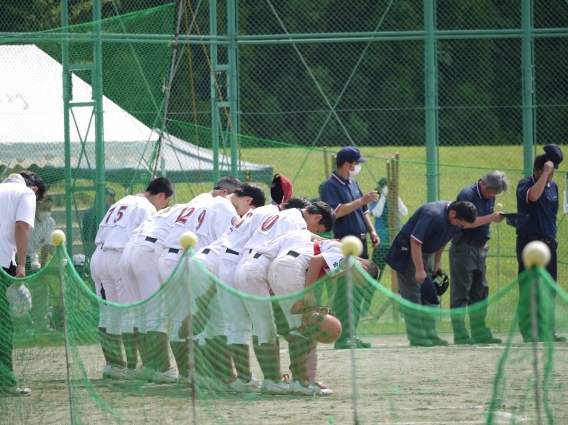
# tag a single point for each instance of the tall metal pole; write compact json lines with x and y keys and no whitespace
{"x":528,"y":84}
{"x":214,"y":89}
{"x":232,"y":89}
{"x":97,"y":86}
{"x":168,"y":91}
{"x":431,"y":91}
{"x":67,"y":95}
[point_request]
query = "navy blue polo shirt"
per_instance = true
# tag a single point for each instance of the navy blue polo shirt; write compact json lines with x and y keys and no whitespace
{"x":472,"y":193}
{"x":429,"y":226}
{"x":338,"y":191}
{"x":542,"y":213}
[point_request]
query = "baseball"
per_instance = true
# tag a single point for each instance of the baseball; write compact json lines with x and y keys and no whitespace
{"x":188,"y":239}
{"x":536,"y":253}
{"x":351,"y":245}
{"x":499,"y":207}
{"x":57,"y":237}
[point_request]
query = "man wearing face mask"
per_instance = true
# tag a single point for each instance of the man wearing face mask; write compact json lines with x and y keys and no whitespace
{"x":38,"y":251}
{"x":342,"y":193}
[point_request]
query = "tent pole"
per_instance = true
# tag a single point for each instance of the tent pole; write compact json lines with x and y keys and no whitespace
{"x":168,"y":88}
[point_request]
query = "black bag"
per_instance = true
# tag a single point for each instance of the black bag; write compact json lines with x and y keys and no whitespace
{"x":399,"y":253}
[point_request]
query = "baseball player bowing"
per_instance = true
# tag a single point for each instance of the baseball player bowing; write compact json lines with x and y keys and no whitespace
{"x":252,"y":278}
{"x":141,"y":278}
{"x":296,"y":268}
{"x":232,"y":305}
{"x":114,"y":232}
{"x":209,"y":220}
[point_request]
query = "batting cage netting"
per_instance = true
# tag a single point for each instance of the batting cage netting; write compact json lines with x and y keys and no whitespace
{"x":59,"y":344}
{"x":100,"y":97}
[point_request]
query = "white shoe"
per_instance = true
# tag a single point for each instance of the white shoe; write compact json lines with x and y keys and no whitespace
{"x":323,"y":389}
{"x":296,"y":388}
{"x":170,"y":376}
{"x":138,"y":374}
{"x":241,"y":386}
{"x":274,"y":388}
{"x":113,"y":372}
{"x":14,"y":391}
{"x":183,"y":380}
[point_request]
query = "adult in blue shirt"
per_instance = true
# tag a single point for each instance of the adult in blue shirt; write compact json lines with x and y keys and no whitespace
{"x":342,"y":193}
{"x":468,"y":254}
{"x":537,"y":196}
{"x":416,"y":253}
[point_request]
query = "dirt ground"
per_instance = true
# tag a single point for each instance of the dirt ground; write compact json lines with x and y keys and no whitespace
{"x":395,"y":384}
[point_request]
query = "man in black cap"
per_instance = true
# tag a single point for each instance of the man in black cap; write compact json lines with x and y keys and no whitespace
{"x":537,"y":196}
{"x":342,"y":193}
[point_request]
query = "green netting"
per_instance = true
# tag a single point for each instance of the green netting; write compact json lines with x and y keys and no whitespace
{"x":512,"y":382}
{"x":306,"y":79}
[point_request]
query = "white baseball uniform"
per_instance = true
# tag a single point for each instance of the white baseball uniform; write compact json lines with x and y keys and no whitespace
{"x":252,"y":278}
{"x":117,"y":227}
{"x":287,"y":273}
{"x":139,"y":266}
{"x":233,"y":305}
{"x":209,"y":220}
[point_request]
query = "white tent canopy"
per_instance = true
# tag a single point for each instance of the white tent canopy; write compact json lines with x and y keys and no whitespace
{"x":32,"y":135}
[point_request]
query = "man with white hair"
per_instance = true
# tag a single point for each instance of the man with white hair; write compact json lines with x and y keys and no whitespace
{"x":468,"y":254}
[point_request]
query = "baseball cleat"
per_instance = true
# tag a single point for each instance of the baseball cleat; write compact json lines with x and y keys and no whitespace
{"x":296,"y":388}
{"x":240,"y":386}
{"x":14,"y":391}
{"x":113,"y":372}
{"x":170,"y":376}
{"x":274,"y":388}
{"x":140,"y":373}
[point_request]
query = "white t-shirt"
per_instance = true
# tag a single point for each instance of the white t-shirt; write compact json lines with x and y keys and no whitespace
{"x":276,"y":224}
{"x":245,"y":227}
{"x":17,"y":203}
{"x":39,"y":237}
{"x":121,"y":220}
{"x":209,"y":220}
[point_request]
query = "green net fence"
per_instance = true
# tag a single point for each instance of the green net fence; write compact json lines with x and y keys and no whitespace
{"x":195,"y":90}
{"x":57,"y":353}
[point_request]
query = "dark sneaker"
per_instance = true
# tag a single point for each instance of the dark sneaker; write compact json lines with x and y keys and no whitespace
{"x":420,"y":342}
{"x":361,"y":344}
{"x":559,"y":338}
{"x":437,"y":341}
{"x":464,"y":341}
{"x":342,"y":344}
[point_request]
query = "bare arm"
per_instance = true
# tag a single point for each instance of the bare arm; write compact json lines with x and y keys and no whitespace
{"x":538,"y":188}
{"x":22,"y":238}
{"x":496,"y":217}
{"x":438,"y":259}
{"x":375,"y":240}
{"x":345,"y":209}
{"x":416,"y":254}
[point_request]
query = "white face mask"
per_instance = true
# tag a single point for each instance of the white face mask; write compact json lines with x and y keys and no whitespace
{"x":356,"y":170}
{"x":44,"y":215}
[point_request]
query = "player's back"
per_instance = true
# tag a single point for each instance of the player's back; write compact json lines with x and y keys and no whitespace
{"x":209,"y":220}
{"x":274,"y":225}
{"x":245,"y":228}
{"x":284,"y":242}
{"x":121,"y":220}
